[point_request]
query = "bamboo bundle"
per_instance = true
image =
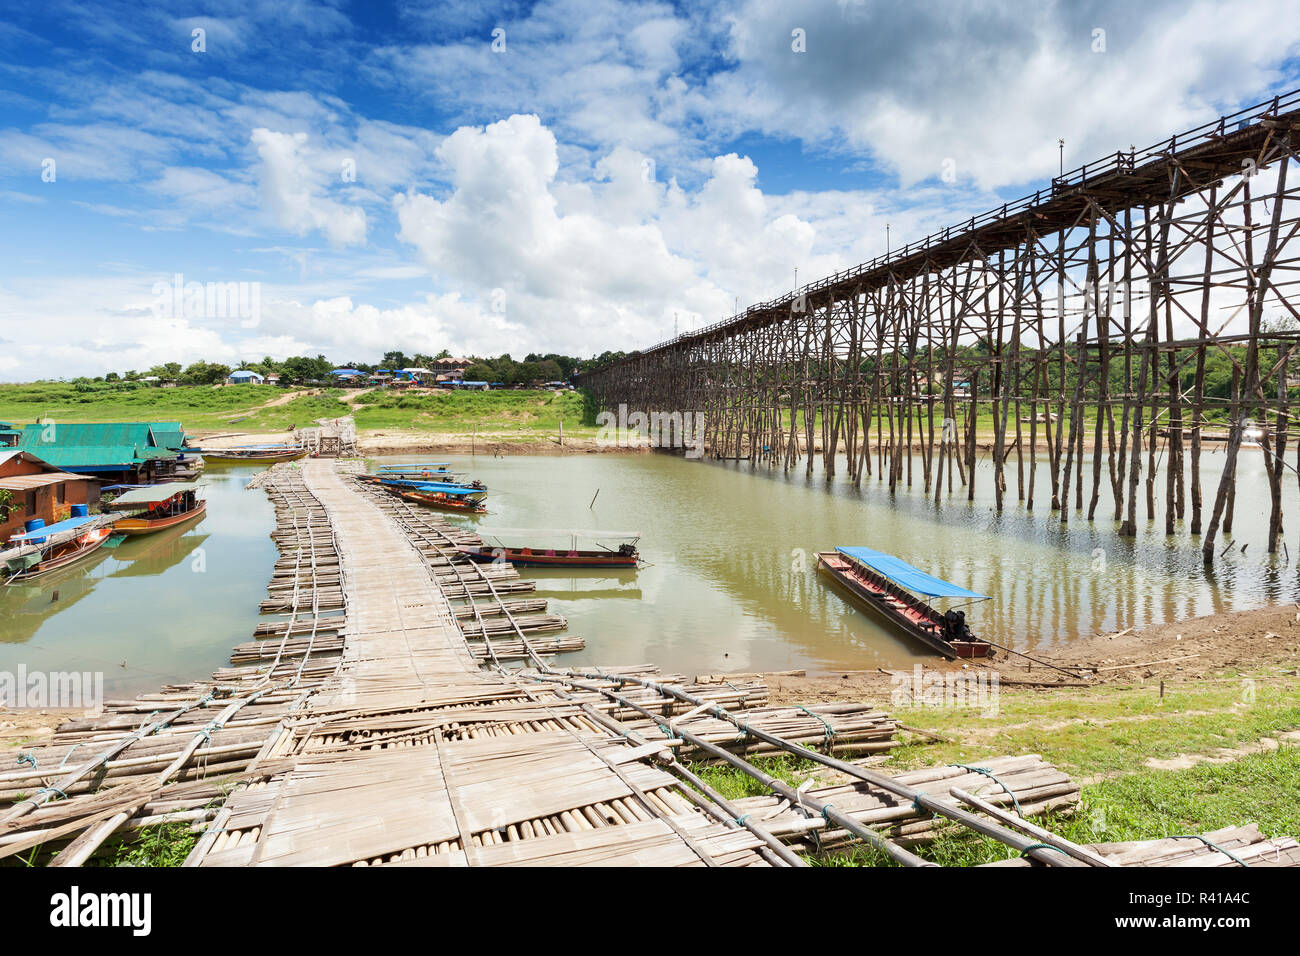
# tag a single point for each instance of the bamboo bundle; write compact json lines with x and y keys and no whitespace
{"x":1225,"y":847}
{"x":1037,"y":785}
{"x":836,"y":728}
{"x":532,"y":623}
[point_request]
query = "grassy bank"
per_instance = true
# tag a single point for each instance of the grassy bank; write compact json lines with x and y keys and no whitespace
{"x":195,"y":406}
{"x":1194,"y":760}
{"x":501,"y":412}
{"x":267,"y":408}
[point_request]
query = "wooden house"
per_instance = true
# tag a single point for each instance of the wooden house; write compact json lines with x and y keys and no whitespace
{"x":33,"y":488}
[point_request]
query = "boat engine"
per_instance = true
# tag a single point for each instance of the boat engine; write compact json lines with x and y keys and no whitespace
{"x":955,"y":627}
{"x":627,"y":549}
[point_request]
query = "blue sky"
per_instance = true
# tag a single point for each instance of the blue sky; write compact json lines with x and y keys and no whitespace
{"x":572,"y":175}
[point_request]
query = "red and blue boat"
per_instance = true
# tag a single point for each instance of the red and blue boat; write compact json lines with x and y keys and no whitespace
{"x":887,"y":586}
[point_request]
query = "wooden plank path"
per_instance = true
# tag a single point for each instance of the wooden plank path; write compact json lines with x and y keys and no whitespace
{"x":410,"y":753}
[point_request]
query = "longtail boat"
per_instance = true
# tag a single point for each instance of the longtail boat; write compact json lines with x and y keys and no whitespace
{"x":884,"y":584}
{"x":623,"y":555}
{"x":451,"y":498}
{"x":420,"y":482}
{"x":153,"y":508}
{"x":419,"y":469}
{"x":251,"y":454}
{"x":55,"y":546}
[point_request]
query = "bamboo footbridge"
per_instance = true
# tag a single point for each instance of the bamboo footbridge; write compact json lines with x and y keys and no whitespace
{"x":402,"y":706}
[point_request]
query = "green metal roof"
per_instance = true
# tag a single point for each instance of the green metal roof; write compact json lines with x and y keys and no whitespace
{"x":98,"y":445}
{"x":154,"y":493}
{"x":167,"y":434}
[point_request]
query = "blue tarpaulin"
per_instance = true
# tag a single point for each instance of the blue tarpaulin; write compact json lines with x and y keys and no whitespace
{"x":55,"y":528}
{"x":914,"y":579}
{"x":436,"y":486}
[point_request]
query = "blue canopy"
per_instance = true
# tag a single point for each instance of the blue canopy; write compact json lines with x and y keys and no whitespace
{"x":345,"y":371}
{"x":438,"y":486}
{"x":914,"y":579}
{"x":49,"y":529}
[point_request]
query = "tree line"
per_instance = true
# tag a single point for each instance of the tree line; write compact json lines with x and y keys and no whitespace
{"x":303,"y":369}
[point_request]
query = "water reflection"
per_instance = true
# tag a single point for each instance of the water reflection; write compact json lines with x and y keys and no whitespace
{"x":733,"y":584}
{"x":158,"y":608}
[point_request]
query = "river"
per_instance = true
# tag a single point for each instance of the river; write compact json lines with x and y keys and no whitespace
{"x":729,"y":582}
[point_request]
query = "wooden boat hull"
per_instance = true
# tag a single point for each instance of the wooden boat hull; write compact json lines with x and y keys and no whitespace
{"x":216,"y":457}
{"x":135,"y":526}
{"x":915,"y":620}
{"x":443,"y":502}
{"x":66,"y":554}
{"x":553,"y":557}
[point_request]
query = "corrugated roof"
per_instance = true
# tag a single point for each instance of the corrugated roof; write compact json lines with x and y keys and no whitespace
{"x":167,"y":434}
{"x":96,"y":433}
{"x":97,"y":445}
{"x":101,"y":456}
{"x":154,"y":493}
{"x":40,"y":480}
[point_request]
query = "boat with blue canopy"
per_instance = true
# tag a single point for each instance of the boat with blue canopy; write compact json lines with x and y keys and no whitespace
{"x":888,"y":586}
{"x":45,"y":548}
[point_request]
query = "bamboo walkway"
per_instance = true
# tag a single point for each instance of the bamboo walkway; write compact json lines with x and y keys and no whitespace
{"x":411,"y":753}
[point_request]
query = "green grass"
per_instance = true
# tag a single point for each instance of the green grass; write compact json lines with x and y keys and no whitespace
{"x":1105,"y":736}
{"x":1147,"y":805}
{"x":302,"y":411}
{"x":733,"y":784}
{"x":502,"y":411}
{"x":195,"y":406}
{"x":1108,"y":729}
{"x":166,"y":845}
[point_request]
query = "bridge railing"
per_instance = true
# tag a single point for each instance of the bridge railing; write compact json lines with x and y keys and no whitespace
{"x":1120,"y":163}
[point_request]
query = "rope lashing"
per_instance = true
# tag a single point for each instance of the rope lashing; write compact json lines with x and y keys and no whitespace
{"x":69,"y":754}
{"x":830,"y":733}
{"x":32,"y":798}
{"x":989,"y":773}
{"x":1212,"y":845}
{"x":1040,"y":846}
{"x":27,"y":758}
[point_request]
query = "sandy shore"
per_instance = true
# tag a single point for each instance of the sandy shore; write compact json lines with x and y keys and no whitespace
{"x":1187,"y":650}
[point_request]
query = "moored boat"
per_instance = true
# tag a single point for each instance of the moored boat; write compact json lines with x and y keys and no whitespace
{"x":884,"y":584}
{"x":251,"y":454}
{"x":433,"y":478}
{"x":465,"y":500}
{"x":55,"y":546}
{"x":153,"y":508}
{"x":497,"y":547}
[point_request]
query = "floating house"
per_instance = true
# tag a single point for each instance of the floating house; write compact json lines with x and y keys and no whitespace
{"x":245,"y":377}
{"x":113,"y":452}
{"x":31,"y":487}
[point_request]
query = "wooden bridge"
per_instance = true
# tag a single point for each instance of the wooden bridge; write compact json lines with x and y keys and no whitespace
{"x":1140,"y":299}
{"x":377,"y":720}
